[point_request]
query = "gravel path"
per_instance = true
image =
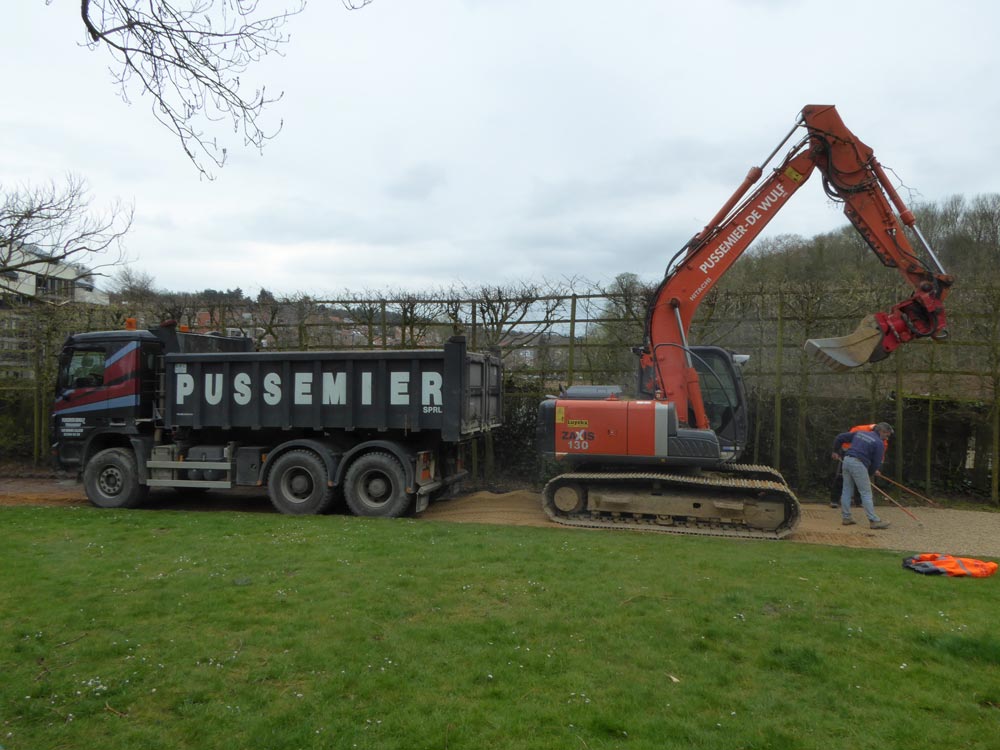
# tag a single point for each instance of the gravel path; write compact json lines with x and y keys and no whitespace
{"x":957,"y":532}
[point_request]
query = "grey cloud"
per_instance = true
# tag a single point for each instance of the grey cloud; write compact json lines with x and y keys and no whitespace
{"x":417,"y":183}
{"x":665,"y":170}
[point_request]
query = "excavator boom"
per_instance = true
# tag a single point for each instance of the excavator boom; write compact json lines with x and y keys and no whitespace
{"x":852,"y":176}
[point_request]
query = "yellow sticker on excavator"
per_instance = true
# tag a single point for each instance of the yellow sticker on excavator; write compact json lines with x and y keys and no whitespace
{"x":793,"y":175}
{"x":560,"y":414}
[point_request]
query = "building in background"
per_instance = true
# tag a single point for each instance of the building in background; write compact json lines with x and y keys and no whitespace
{"x":29,"y":279}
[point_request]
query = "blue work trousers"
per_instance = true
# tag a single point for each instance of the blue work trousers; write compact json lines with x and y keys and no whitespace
{"x":856,"y":475}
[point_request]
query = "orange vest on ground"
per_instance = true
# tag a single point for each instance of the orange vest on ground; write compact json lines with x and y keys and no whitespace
{"x":931,"y":563}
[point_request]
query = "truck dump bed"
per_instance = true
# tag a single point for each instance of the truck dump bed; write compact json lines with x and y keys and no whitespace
{"x":450,"y":390}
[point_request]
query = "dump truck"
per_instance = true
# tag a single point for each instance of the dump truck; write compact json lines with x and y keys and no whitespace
{"x":386,"y":430}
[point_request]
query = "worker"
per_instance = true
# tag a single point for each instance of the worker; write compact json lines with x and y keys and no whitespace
{"x":837,"y":486}
{"x":861,"y":461}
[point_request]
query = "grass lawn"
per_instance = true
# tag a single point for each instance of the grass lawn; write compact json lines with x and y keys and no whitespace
{"x":161,"y":629}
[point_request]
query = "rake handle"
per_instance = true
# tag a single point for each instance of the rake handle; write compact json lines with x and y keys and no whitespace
{"x":907,"y":489}
{"x":887,"y":497}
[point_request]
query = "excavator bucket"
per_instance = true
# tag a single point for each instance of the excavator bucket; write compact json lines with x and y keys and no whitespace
{"x":853,"y":350}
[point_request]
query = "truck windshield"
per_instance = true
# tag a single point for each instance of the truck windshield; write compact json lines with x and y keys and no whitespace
{"x":81,"y":368}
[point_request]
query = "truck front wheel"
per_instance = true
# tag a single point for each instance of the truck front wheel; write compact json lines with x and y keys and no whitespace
{"x":375,"y":486}
{"x":298,"y":484}
{"x":111,"y":480}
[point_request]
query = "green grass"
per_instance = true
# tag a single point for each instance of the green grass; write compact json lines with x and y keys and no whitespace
{"x":159,"y":629}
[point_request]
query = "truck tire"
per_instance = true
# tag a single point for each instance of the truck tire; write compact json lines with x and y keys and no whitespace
{"x":298,"y":484}
{"x":375,"y":486}
{"x":111,"y":480}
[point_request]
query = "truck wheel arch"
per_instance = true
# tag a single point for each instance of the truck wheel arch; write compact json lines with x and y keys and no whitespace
{"x":103,"y":440}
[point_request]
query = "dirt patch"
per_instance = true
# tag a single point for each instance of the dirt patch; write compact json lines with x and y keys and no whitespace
{"x":958,"y":532}
{"x":56,"y":492}
{"x":32,"y":491}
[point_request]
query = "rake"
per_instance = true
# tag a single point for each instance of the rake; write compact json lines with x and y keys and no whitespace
{"x":887,"y":497}
{"x":912,"y":492}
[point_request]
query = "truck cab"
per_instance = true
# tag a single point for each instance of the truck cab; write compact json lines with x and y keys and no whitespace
{"x":109,"y":389}
{"x":105,"y":392}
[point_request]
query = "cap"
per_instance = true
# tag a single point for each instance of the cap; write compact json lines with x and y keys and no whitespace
{"x":884,"y":427}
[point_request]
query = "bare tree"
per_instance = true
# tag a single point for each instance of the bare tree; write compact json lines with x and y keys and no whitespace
{"x":265,"y":312}
{"x":368,"y":310}
{"x":180,"y":307}
{"x":132,"y":286}
{"x":190,"y":56}
{"x":518,"y":314}
{"x":52,"y":231}
{"x":415,"y":314}
{"x":299,"y":312}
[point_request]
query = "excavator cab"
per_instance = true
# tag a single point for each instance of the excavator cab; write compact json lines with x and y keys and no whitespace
{"x":720,"y":377}
{"x":724,"y":395}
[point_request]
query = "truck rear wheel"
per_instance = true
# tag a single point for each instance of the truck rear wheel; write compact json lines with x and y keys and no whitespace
{"x":375,"y":486}
{"x":111,"y":480}
{"x":298,"y":484}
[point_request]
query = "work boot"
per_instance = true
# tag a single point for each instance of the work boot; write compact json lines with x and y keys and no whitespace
{"x":880,"y":524}
{"x":834,"y":505}
{"x":848,"y":522}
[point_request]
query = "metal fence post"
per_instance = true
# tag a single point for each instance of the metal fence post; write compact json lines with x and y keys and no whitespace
{"x":385,"y":336}
{"x":475,"y":326}
{"x":571,"y":375}
{"x":778,"y":364}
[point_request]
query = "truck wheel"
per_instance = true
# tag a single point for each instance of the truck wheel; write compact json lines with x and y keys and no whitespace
{"x":111,"y":480}
{"x":298,"y":484}
{"x":375,"y":486}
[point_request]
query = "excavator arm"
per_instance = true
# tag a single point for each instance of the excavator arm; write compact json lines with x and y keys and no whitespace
{"x":851,"y":175}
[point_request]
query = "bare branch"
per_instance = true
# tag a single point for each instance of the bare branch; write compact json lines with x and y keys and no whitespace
{"x":190,"y":56}
{"x":53,"y":230}
{"x":524,"y":311}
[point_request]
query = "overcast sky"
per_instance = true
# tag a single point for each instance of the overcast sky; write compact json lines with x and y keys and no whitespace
{"x":429,"y":142}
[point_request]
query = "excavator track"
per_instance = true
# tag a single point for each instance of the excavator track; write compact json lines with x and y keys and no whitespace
{"x":743,"y":501}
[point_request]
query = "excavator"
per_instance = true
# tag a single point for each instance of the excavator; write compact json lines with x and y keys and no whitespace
{"x":668,"y":460}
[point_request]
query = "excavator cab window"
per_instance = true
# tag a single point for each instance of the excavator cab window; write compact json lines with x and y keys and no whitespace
{"x":723,"y":393}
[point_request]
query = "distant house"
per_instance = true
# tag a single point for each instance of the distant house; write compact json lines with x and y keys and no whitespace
{"x":532,"y":349}
{"x":28,"y":277}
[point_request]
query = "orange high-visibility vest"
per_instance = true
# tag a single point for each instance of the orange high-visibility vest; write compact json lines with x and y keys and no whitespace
{"x":866,"y":428}
{"x":935,"y":564}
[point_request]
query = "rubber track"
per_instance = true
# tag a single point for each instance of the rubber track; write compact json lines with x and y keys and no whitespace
{"x":744,"y":479}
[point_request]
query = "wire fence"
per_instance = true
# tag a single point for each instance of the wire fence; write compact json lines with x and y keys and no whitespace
{"x":942,"y":398}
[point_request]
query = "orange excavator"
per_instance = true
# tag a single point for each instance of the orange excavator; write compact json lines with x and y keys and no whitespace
{"x":668,"y":460}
